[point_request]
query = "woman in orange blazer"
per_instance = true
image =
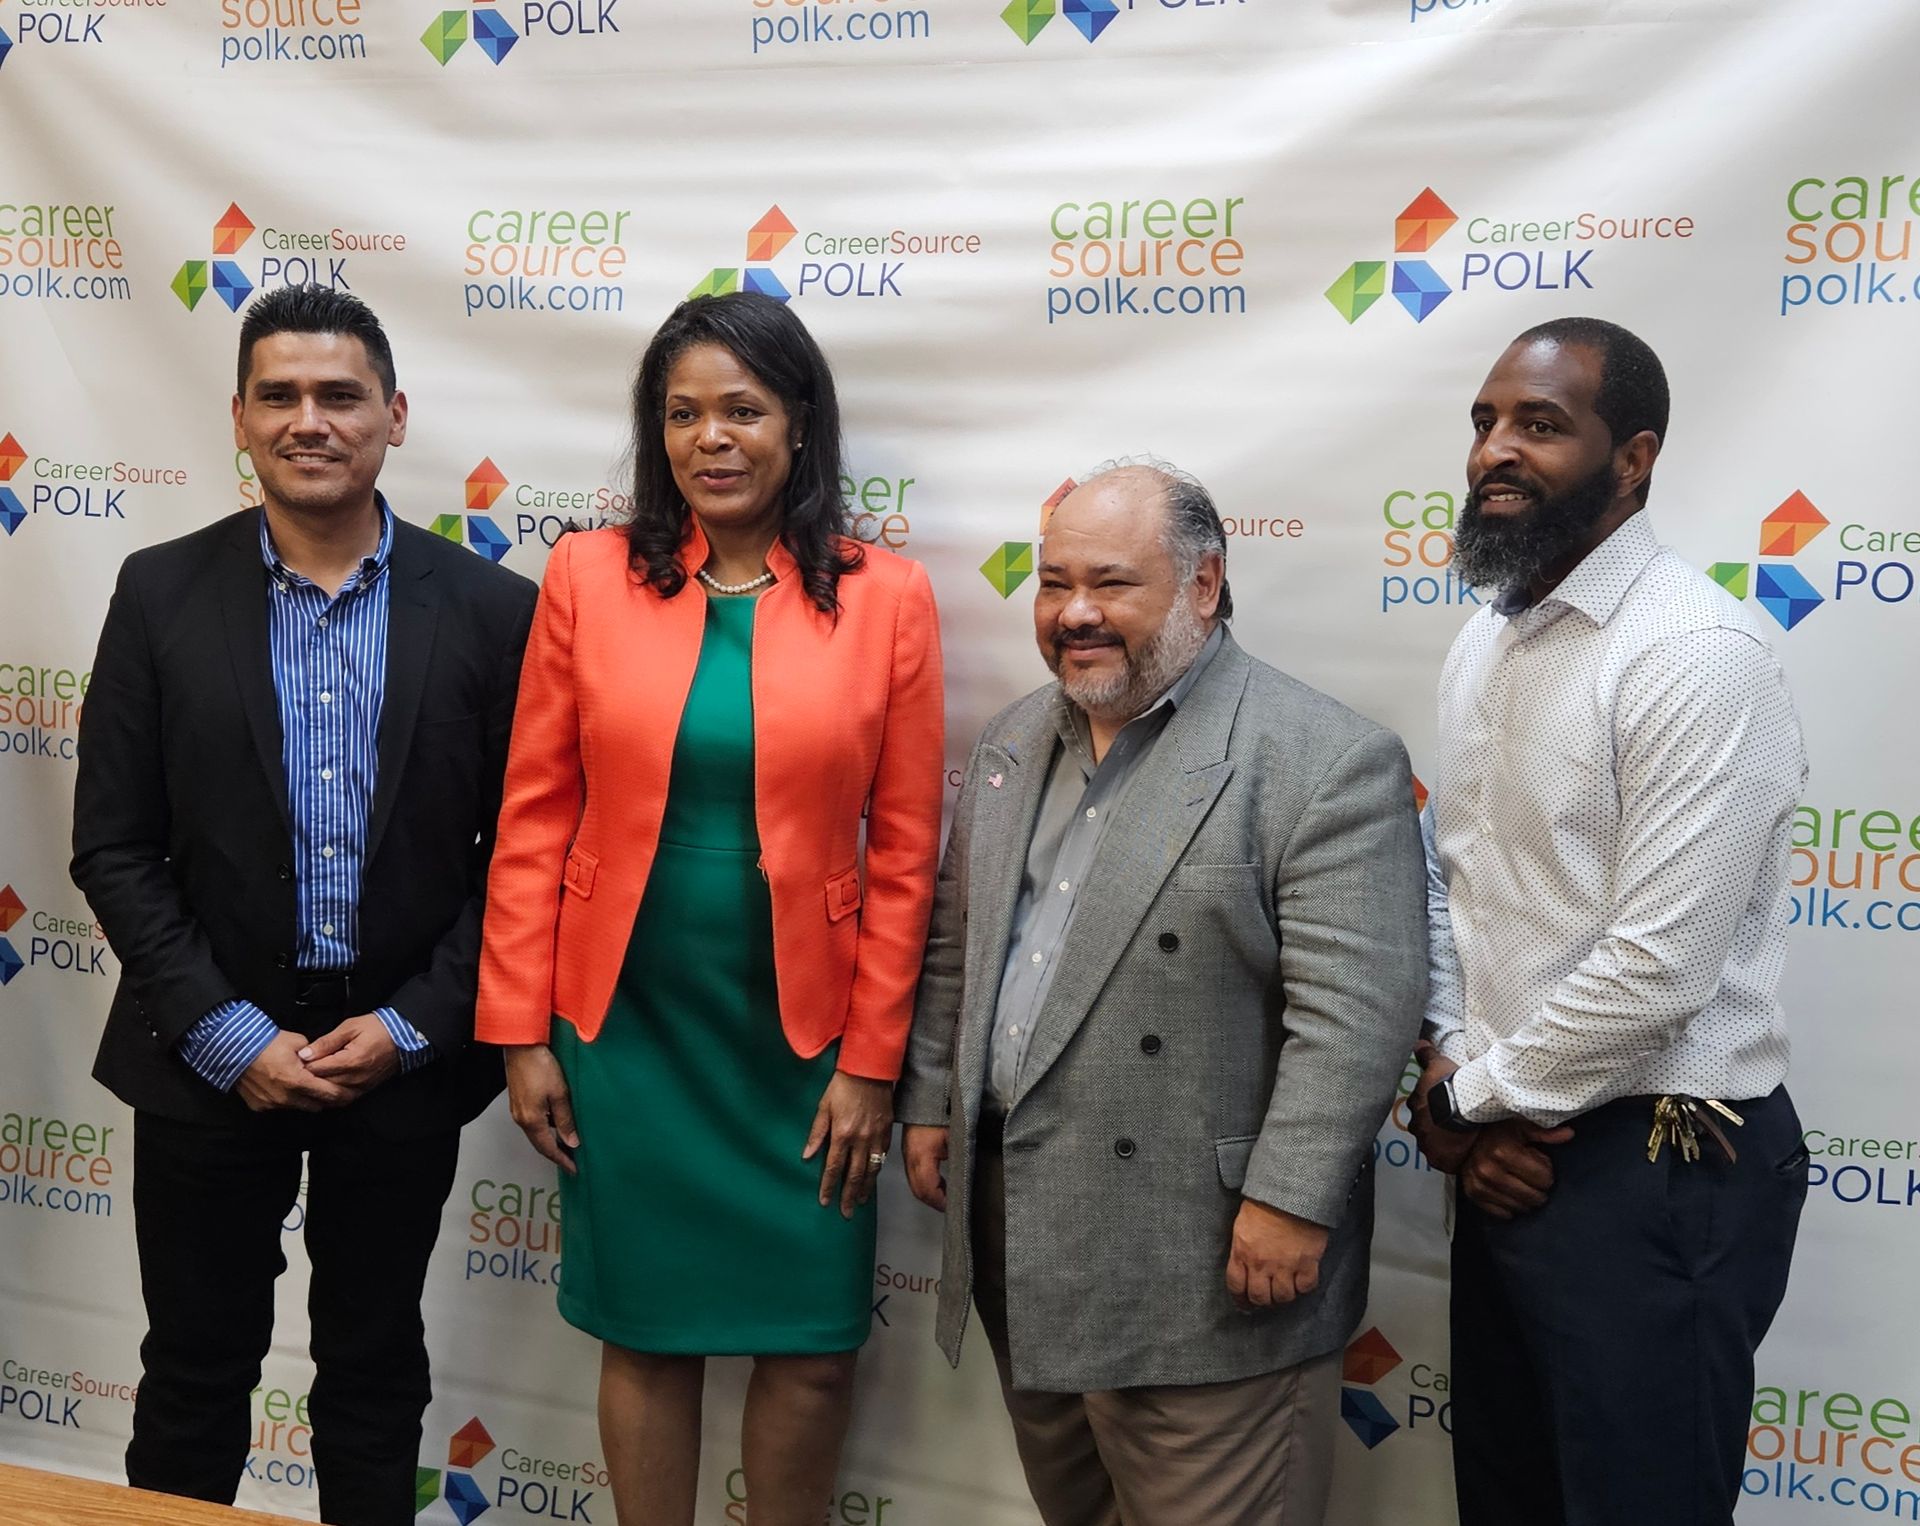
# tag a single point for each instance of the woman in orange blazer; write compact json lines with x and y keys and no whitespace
{"x":701,"y":972}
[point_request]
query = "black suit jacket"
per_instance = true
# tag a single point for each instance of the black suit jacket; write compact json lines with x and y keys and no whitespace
{"x":183,"y":843}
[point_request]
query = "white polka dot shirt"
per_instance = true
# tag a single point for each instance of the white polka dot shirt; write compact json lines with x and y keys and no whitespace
{"x":1618,"y":771}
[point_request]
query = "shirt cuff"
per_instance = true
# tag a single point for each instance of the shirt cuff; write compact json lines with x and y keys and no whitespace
{"x":221,"y":1046}
{"x":415,"y":1051}
{"x":1476,"y":1099}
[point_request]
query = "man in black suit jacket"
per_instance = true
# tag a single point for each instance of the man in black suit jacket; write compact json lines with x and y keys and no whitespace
{"x":290,"y":765}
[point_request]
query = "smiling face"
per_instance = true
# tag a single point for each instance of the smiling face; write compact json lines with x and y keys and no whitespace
{"x":1113,"y":617}
{"x":314,"y":419}
{"x":729,"y":441}
{"x":1544,"y":479}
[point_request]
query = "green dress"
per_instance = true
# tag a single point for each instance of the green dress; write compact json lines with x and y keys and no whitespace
{"x":693,"y":1225}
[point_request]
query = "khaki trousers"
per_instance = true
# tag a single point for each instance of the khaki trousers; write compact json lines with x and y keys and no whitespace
{"x":1257,"y":1452}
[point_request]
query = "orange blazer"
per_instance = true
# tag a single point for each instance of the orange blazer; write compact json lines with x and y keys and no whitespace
{"x":847,"y":716}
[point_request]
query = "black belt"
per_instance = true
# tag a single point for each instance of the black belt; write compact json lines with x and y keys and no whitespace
{"x":328,"y":990}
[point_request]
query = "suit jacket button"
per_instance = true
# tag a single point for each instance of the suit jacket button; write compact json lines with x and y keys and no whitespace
{"x":1123,"y":1148}
{"x":282,"y":961}
{"x":1169,"y":941}
{"x":1150,"y":1044}
{"x":285,"y":871}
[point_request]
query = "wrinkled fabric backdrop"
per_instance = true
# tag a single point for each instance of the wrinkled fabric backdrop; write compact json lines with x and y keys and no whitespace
{"x":1331,"y":215}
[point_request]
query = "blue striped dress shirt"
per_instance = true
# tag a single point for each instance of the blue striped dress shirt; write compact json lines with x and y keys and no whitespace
{"x":329,"y":674}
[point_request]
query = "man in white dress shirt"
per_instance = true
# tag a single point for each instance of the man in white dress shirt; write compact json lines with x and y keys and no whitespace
{"x":1619,"y":762}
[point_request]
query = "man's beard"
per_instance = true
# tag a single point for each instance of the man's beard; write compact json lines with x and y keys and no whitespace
{"x":1497,"y":551}
{"x":1142,"y":678}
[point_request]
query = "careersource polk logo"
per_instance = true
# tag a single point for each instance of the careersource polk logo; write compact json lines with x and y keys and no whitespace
{"x":545,"y":260}
{"x":1011,"y":562}
{"x":287,"y":257}
{"x":495,"y":35}
{"x":782,"y":24}
{"x":61,"y":251}
{"x":860,"y":262}
{"x":1880,"y":569}
{"x":1508,"y":253}
{"x":1147,"y":257}
{"x":62,"y":941}
{"x":1027,"y":19}
{"x":547,"y":1488}
{"x":82,"y":492}
{"x":1369,"y":1362}
{"x":1850,"y":242}
{"x":290,"y":32}
{"x":537,"y":513}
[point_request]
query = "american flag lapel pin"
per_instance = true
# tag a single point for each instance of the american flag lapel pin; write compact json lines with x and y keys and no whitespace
{"x":996,"y":780}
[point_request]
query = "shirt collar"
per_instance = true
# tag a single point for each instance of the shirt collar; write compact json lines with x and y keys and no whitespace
{"x":370,"y":566}
{"x":1597,"y":585}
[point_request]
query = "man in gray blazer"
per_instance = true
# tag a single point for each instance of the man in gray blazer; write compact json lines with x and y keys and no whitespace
{"x":1177,"y":962}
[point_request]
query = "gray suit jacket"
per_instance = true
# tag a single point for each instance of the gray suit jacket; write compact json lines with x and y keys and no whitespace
{"x":1259,"y":909}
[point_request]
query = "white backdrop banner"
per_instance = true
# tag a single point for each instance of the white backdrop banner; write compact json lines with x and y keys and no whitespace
{"x":1333,"y":214}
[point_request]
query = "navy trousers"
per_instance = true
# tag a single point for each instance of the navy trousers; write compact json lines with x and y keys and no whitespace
{"x":1603,"y":1345}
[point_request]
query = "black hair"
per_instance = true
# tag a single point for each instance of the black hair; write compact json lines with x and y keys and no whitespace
{"x":768,"y":339}
{"x":1633,"y":384}
{"x":316,"y":309}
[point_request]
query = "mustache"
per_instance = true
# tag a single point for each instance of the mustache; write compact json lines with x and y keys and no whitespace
{"x":1506,"y":479}
{"x":1085,"y":639}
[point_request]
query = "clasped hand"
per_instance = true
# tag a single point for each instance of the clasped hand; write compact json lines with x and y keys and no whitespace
{"x":339,"y":1067}
{"x":1503,"y":1167}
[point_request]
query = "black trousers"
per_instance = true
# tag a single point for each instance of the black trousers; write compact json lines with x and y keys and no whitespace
{"x":1603,"y":1345}
{"x":209,"y":1204}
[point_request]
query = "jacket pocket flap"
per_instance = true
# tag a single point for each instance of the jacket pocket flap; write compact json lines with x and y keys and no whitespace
{"x":1233,"y":1155}
{"x":580,"y":871}
{"x":843,"y":895}
{"x":1216,"y":879}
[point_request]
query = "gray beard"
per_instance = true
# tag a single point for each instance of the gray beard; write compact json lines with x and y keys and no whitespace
{"x":1497,"y":553}
{"x":1142,"y":680}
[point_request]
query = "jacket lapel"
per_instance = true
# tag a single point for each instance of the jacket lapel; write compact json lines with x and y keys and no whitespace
{"x":413,"y":609}
{"x":243,"y":606}
{"x":1012,"y":774}
{"x":1163,"y":807}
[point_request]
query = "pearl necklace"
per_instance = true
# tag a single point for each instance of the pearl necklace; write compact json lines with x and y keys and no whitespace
{"x":719,"y":587}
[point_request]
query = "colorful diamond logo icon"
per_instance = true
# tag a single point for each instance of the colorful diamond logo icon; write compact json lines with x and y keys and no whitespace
{"x":1363,"y":284}
{"x":1420,"y":793}
{"x":1009,"y":567}
{"x":6,"y":46}
{"x":230,"y":284}
{"x":1092,"y":17}
{"x":716,"y":283}
{"x":426,"y":1488}
{"x":1028,"y":18}
{"x":1366,"y":1416}
{"x":1423,"y":224}
{"x":495,"y":36}
{"x":469,"y":1445}
{"x":451,"y":527}
{"x":761,"y":278}
{"x":1791,"y":528}
{"x":465,"y":1498}
{"x":766,"y":238}
{"x":1731,"y":576}
{"x":445,"y":35}
{"x":233,"y":230}
{"x":1371,"y":1356}
{"x":13,"y":456}
{"x":11,"y":964}
{"x":490,"y":541}
{"x":12,"y":908}
{"x":1054,"y":499}
{"x":12,"y":511}
{"x":485,"y":483}
{"x":190,"y":283}
{"x":1785,"y":594}
{"x":1418,"y":288}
